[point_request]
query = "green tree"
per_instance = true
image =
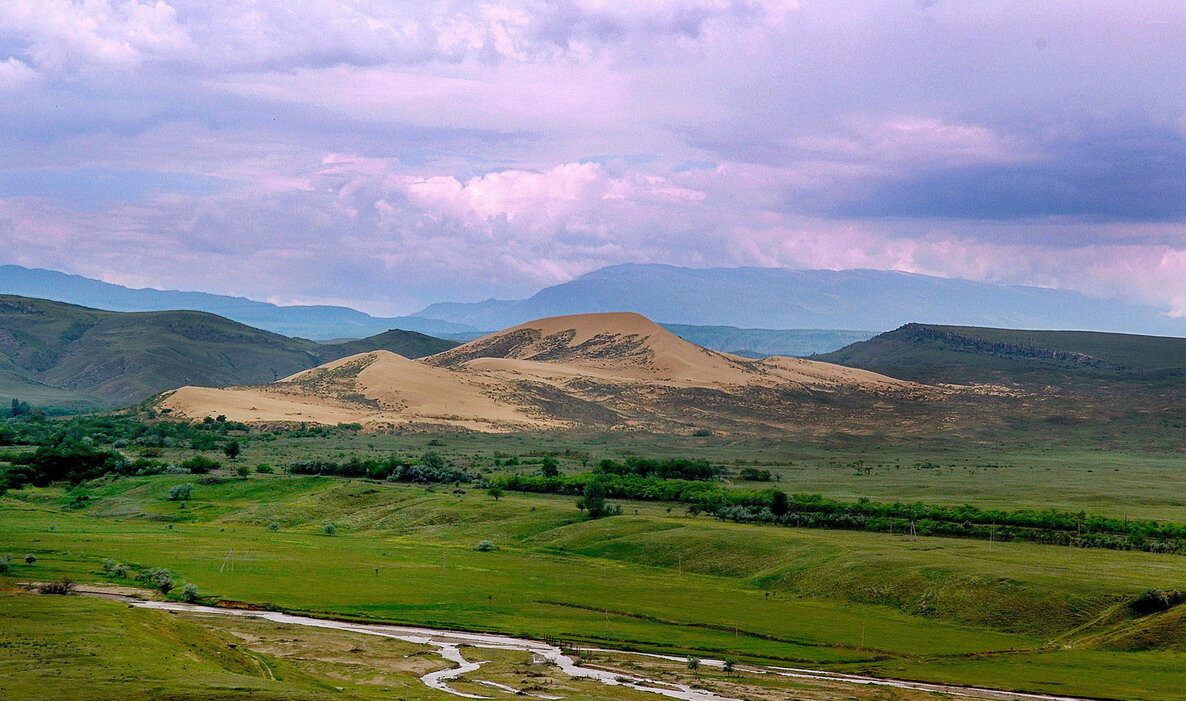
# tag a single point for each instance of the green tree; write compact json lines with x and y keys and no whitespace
{"x":550,"y":467}
{"x":592,"y":500}
{"x":232,"y":449}
{"x":779,"y":503}
{"x":495,"y":491}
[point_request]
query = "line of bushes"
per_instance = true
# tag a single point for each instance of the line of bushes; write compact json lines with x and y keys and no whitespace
{"x":773,"y":506}
{"x":429,"y":468}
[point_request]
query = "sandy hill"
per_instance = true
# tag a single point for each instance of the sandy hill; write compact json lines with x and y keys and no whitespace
{"x":593,"y":371}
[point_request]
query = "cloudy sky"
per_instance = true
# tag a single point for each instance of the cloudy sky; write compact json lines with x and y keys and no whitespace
{"x":391,"y":153}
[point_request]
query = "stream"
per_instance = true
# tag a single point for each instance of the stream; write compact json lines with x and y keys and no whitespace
{"x":448,"y":644}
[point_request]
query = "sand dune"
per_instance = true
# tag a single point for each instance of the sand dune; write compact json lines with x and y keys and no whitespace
{"x":616,"y":370}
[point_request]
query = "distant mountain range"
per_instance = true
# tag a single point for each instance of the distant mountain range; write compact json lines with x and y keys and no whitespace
{"x":71,"y":357}
{"x":748,"y":311}
{"x":314,"y":322}
{"x":774,"y":298}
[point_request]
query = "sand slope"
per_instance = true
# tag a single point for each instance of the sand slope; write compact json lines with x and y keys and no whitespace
{"x":617,"y":370}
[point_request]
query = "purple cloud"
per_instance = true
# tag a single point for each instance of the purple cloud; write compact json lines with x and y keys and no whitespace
{"x":389,"y":155}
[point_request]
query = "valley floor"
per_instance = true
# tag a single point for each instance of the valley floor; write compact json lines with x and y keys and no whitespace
{"x":1033,"y":618}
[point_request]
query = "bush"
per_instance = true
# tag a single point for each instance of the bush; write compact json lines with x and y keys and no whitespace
{"x":1155,"y":600}
{"x":484,"y":546}
{"x":330,"y":529}
{"x":263,"y":468}
{"x":753,"y":474}
{"x":200,"y":464}
{"x":232,"y":449}
{"x":273,"y":526}
{"x":243,"y":470}
{"x":495,"y":492}
{"x":119,"y":571}
{"x":180,"y":492}
{"x":159,"y":578}
{"x":550,"y":467}
{"x":189,"y":593}
{"x":5,"y":563}
{"x":30,"y":559}
{"x":61,"y":587}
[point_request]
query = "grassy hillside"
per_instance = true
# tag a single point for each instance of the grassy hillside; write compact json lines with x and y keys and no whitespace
{"x":967,"y":355}
{"x":74,"y":357}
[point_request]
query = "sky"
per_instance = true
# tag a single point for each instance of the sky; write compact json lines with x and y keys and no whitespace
{"x":387,"y":154}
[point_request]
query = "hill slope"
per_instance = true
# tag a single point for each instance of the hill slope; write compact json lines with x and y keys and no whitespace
{"x":809,"y":299}
{"x":965,"y":355}
{"x":316,"y":322}
{"x":75,"y":357}
{"x":587,"y":371}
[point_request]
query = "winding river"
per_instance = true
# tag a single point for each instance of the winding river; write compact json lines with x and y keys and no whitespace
{"x":448,"y":644}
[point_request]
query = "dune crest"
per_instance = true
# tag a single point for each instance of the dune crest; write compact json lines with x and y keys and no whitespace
{"x":616,"y":370}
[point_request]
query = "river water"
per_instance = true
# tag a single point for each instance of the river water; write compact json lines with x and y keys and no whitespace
{"x":449,"y":642}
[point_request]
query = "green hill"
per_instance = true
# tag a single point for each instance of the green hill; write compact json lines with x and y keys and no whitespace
{"x":71,"y":357}
{"x":966,"y":355}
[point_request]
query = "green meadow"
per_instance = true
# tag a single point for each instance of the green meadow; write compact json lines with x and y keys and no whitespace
{"x":1011,"y":615}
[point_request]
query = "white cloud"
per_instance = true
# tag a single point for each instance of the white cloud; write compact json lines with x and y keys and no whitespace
{"x":14,"y":75}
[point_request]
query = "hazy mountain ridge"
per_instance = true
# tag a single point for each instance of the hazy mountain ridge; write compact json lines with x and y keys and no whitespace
{"x":318,"y":322}
{"x":775,"y":298}
{"x":77,"y":357}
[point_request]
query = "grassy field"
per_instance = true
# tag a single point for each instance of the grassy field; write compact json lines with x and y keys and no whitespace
{"x":1128,"y":482}
{"x":1032,"y":617}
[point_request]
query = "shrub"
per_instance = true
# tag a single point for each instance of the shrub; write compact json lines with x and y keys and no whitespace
{"x":232,"y":449}
{"x":145,"y":467}
{"x":263,"y":468}
{"x":484,"y":546}
{"x":730,"y":665}
{"x":162,"y":579}
{"x":273,"y":526}
{"x":1155,"y":600}
{"x":108,"y":565}
{"x":693,"y":663}
{"x":180,"y":492}
{"x":200,"y":464}
{"x":243,"y":470}
{"x":61,"y":587}
{"x":119,"y":571}
{"x":550,"y":467}
{"x":753,"y":474}
{"x":495,"y":492}
{"x":189,"y":593}
{"x":30,"y":559}
{"x":5,"y":562}
{"x":330,"y":529}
